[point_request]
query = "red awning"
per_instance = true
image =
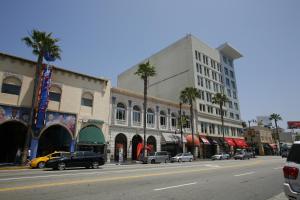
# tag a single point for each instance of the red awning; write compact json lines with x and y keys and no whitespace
{"x":204,"y":139}
{"x":241,"y":143}
{"x":189,"y":140}
{"x":230,"y":141}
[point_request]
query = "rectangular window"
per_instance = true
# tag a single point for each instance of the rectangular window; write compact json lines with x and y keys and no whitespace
{"x":236,"y":106}
{"x":229,"y":92}
{"x":86,"y":102}
{"x":230,"y":104}
{"x":54,"y":96}
{"x":196,"y":55}
{"x":237,"y":116}
{"x":226,"y":71}
{"x":233,"y":84}
{"x":227,"y":82}
{"x":231,"y":74}
{"x":11,"y":89}
{"x":231,"y":115}
{"x":234,"y":94}
{"x":224,"y":59}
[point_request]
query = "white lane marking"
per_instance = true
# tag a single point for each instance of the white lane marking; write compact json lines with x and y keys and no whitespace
{"x":209,"y":165}
{"x":175,"y":186}
{"x":247,"y":173}
{"x":278,"y":168}
{"x":104,"y":172}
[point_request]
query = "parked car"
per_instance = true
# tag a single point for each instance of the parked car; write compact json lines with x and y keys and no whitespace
{"x":182,"y":157}
{"x":291,"y":173}
{"x":86,"y":159}
{"x":241,"y":155}
{"x":157,"y":157}
{"x":221,"y":156}
{"x":39,"y":162}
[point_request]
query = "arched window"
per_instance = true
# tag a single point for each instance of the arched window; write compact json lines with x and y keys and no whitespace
{"x":55,"y":93}
{"x":11,"y":85}
{"x":162,"y":119}
{"x":136,"y":116}
{"x":87,"y":99}
{"x":121,"y":112}
{"x":150,"y":117}
{"x":173,"y":121}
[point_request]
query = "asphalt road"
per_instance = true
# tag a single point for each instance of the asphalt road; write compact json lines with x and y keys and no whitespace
{"x":254,"y":179}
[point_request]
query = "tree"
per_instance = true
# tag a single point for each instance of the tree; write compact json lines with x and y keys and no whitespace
{"x":145,"y":70}
{"x":220,"y":99}
{"x":276,"y":118}
{"x":188,"y":96}
{"x":42,"y":44}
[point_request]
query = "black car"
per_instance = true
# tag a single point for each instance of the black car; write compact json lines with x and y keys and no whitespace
{"x":86,"y":159}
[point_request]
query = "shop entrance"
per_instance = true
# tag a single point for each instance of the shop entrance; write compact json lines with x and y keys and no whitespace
{"x":54,"y":138}
{"x":151,"y":143}
{"x":120,"y":146}
{"x":135,"y":141}
{"x":12,"y":140}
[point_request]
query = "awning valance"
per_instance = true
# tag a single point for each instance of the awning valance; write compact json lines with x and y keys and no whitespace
{"x":230,"y":141}
{"x":91,"y":135}
{"x":189,"y":140}
{"x":241,"y":143}
{"x":204,"y":139}
{"x":172,"y":138}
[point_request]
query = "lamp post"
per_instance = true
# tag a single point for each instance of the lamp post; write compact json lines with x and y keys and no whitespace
{"x":252,"y":120}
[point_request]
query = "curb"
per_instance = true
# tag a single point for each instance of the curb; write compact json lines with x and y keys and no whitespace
{"x":14,"y":168}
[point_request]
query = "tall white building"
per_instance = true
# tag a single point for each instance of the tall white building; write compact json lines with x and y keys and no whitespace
{"x":190,"y":62}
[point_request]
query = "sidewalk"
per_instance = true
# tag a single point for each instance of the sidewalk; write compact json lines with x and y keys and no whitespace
{"x":12,"y":167}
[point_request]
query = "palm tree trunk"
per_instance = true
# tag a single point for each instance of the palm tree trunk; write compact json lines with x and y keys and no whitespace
{"x":277,"y":135}
{"x":34,"y":97}
{"x":180,"y":116}
{"x":222,"y":123}
{"x":145,"y":114}
{"x":192,"y":127}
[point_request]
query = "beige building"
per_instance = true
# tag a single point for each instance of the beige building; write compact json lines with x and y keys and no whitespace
{"x":163,"y":129}
{"x":77,"y":114}
{"x":261,"y":139}
{"x":190,"y":62}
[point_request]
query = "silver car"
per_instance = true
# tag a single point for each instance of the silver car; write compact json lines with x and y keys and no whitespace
{"x":291,"y":169}
{"x":158,"y":157}
{"x":182,"y":157}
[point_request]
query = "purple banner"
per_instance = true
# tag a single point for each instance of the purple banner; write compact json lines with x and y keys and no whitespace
{"x":43,"y":96}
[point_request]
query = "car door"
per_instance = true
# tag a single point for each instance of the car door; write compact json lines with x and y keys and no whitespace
{"x":76,"y":159}
{"x":293,"y":161}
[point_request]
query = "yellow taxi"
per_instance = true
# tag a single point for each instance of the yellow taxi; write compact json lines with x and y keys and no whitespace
{"x":39,"y":162}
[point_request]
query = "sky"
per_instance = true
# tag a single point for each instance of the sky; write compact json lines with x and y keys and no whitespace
{"x":104,"y":38}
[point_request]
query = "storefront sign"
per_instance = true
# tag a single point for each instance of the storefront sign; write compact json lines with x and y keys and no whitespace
{"x":69,"y":120}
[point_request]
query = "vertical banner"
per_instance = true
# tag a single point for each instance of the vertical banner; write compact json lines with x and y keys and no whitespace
{"x":43,"y":96}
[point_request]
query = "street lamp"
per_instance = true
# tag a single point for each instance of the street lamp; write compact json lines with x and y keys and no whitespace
{"x":252,"y":120}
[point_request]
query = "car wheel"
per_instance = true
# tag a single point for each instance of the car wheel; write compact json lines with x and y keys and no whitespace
{"x":61,"y":166}
{"x":152,"y":161}
{"x":191,"y":159}
{"x":41,"y":165}
{"x":95,"y":165}
{"x":179,"y":160}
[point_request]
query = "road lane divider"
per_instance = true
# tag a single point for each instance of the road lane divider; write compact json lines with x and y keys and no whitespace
{"x":175,"y":186}
{"x":244,"y":174}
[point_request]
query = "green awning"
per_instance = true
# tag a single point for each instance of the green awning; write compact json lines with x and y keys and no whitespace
{"x":91,"y":135}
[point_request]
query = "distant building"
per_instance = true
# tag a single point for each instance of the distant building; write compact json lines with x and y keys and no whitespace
{"x":264,"y":121}
{"x":261,"y":139}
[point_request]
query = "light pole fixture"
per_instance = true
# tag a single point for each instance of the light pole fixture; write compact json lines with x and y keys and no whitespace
{"x":252,"y":120}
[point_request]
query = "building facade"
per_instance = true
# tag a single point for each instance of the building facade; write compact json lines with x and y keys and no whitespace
{"x":163,"y":128}
{"x":76,"y":118}
{"x":191,"y":63}
{"x":261,"y":139}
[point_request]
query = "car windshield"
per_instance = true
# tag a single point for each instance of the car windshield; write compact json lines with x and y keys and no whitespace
{"x":151,"y":154}
{"x":180,"y":154}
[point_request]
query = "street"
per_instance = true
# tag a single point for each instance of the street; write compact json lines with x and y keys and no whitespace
{"x":259,"y":178}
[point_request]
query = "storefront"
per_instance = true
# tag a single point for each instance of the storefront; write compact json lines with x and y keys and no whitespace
{"x":206,"y":147}
{"x":189,"y":140}
{"x":172,"y":143}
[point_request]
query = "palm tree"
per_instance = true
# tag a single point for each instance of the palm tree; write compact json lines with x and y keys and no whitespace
{"x":145,"y":70}
{"x":276,"y":118}
{"x":188,"y":95}
{"x":42,"y":44}
{"x":220,"y":99}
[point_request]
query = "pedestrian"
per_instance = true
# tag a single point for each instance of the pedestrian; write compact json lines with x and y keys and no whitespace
{"x":18,"y":156}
